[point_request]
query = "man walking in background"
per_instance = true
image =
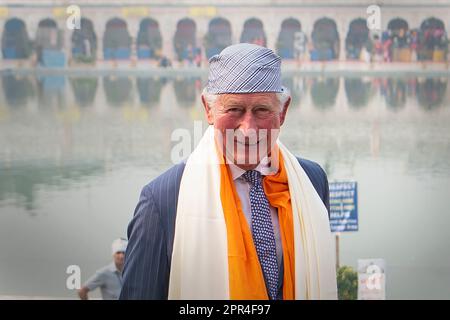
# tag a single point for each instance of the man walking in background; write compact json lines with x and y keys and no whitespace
{"x":108,"y":278}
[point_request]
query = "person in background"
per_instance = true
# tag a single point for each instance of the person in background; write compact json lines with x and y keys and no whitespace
{"x":387,"y":43}
{"x":165,"y":62}
{"x":377,"y":48}
{"x":198,"y":57}
{"x":108,"y":278}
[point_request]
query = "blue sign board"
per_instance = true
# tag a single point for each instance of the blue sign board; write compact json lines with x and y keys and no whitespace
{"x":343,"y":206}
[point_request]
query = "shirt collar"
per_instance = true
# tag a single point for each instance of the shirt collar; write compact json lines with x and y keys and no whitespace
{"x":263,"y":167}
{"x":113,"y":268}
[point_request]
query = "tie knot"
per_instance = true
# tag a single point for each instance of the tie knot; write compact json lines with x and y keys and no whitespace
{"x":252,"y":176}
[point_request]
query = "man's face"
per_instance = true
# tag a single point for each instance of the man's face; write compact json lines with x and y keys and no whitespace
{"x":248,"y":125}
{"x":119,"y":259}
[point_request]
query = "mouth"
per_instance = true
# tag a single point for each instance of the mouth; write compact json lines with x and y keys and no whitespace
{"x":246,"y":143}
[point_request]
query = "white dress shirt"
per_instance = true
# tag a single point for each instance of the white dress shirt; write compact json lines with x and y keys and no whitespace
{"x":243,"y":191}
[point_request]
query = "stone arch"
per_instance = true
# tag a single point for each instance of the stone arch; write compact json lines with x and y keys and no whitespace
{"x":15,"y":41}
{"x":325,"y":38}
{"x":357,"y":38}
{"x":149,"y":40}
{"x":116,"y":40}
{"x":184,"y":41}
{"x":253,"y":32}
{"x":84,"y":42}
{"x":396,"y":24}
{"x":432,"y":40}
{"x":49,"y":43}
{"x":290,"y":39}
{"x":218,"y":36}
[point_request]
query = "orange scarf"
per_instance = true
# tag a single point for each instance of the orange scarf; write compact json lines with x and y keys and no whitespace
{"x":245,"y":273}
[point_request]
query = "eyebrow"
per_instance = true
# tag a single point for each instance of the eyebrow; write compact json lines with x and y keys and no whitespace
{"x":233,"y":105}
{"x":238,"y":103}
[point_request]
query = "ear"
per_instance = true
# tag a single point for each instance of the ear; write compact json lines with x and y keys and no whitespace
{"x":208,"y":111}
{"x":284,"y":111}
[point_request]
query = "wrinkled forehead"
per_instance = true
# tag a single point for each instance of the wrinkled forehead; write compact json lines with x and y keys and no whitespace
{"x":249,"y":99}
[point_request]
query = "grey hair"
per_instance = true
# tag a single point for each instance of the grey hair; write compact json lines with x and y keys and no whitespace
{"x":282,"y":97}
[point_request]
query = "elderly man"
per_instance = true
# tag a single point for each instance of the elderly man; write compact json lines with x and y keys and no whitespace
{"x":242,"y":218}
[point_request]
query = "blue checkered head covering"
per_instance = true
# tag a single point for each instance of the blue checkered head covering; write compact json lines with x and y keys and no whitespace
{"x":244,"y":68}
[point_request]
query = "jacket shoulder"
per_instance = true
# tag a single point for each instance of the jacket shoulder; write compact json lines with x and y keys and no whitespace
{"x":165,"y":181}
{"x":318,"y":178}
{"x":310,"y":166}
{"x":164,"y":190}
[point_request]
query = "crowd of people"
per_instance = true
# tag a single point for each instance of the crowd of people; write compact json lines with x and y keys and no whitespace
{"x":400,"y":45}
{"x":410,"y":45}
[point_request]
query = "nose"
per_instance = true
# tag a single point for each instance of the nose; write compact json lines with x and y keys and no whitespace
{"x":247,"y":125}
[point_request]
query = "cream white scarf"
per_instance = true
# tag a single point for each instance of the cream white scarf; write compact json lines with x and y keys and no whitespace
{"x":199,"y":267}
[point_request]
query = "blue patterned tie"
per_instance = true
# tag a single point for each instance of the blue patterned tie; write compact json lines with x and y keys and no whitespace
{"x":263,"y":235}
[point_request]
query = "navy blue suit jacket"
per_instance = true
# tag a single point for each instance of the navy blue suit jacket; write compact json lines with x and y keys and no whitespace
{"x":151,"y":232}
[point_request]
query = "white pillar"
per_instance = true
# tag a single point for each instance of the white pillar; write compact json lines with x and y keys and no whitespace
{"x":168,"y":25}
{"x":133,"y":29}
{"x":342,"y":28}
{"x":237,"y":26}
{"x":66,"y":40}
{"x":99,"y":29}
{"x":201,"y":29}
{"x":307,"y":24}
{"x":271,"y":25}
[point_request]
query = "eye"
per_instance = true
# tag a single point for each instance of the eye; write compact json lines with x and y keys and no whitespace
{"x":262,"y":110}
{"x":234,"y":110}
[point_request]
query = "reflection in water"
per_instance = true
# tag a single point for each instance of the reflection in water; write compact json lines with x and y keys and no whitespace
{"x":395,"y":93}
{"x":17,"y":90}
{"x":324,"y":92}
{"x":186,"y":91}
{"x":51,"y":92}
{"x":84,"y":90}
{"x":431,"y":92}
{"x":150,"y":90}
{"x":297,"y":87}
{"x":358,"y":92}
{"x":23,"y":182}
{"x":117,"y":90}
